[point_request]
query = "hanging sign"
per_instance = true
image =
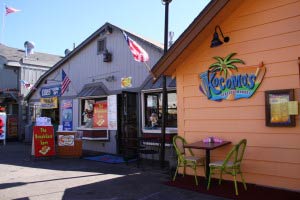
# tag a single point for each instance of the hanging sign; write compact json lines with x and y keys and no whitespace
{"x":100,"y":115}
{"x":43,"y":141}
{"x":2,"y":126}
{"x":51,"y":91}
{"x":224,"y":81}
{"x":67,"y":115}
{"x":49,"y":103}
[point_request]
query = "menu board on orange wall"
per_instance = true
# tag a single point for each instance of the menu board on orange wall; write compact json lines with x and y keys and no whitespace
{"x":100,"y":115}
{"x":43,"y":141}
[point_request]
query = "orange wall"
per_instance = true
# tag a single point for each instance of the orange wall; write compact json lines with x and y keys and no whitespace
{"x":268,"y":31}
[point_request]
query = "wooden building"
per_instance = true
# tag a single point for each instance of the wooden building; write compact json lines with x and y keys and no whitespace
{"x":105,"y":78}
{"x":262,"y":34}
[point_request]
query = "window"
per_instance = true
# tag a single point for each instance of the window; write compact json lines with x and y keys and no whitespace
{"x":153,"y":109}
{"x":101,"y":46}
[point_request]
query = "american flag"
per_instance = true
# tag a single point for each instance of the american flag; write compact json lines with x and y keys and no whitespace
{"x":26,"y":84}
{"x":65,"y":82}
{"x":139,"y":54}
{"x":10,"y":10}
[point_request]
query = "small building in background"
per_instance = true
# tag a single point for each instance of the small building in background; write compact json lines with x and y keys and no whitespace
{"x":19,"y":71}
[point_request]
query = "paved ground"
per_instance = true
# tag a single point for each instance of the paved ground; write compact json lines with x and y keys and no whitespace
{"x":24,"y":178}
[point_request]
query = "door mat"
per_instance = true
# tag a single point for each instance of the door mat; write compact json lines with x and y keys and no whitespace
{"x":226,"y":189}
{"x":109,"y":159}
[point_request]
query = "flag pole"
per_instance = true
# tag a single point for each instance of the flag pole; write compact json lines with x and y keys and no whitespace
{"x":149,"y":69}
{"x":3,"y":24}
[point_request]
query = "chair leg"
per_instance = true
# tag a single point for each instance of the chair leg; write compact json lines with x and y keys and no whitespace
{"x":184,"y":167}
{"x":195,"y":172}
{"x":175,"y":173}
{"x":244,"y":183}
{"x":221,"y":177}
{"x":209,"y":178}
{"x":235,"y":186}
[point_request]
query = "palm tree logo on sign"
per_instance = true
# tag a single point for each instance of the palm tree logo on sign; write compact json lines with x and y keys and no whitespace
{"x":225,"y":81}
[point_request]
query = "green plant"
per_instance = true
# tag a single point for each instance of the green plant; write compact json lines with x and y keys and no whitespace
{"x":225,"y":64}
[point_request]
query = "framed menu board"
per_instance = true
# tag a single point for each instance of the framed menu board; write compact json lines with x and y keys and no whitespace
{"x":277,"y":108}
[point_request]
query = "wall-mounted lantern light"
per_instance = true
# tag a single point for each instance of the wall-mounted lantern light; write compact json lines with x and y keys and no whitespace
{"x":106,"y":56}
{"x":216,"y":40}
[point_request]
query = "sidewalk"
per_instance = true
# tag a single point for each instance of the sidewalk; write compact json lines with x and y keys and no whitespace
{"x":25,"y":178}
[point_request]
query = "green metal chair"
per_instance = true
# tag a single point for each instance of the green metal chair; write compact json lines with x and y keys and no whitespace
{"x":231,"y":165}
{"x":184,"y":160}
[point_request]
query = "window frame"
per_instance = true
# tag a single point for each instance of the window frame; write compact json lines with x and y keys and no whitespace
{"x":144,"y":95}
{"x":100,"y":51}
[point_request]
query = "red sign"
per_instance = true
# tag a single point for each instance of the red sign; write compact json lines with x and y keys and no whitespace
{"x":43,"y":139}
{"x":100,"y":115}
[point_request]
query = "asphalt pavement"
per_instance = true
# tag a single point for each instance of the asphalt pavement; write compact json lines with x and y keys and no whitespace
{"x":24,"y":178}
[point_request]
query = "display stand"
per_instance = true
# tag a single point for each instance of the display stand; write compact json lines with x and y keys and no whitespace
{"x":69,"y":144}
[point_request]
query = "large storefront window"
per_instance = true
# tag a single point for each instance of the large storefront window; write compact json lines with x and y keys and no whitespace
{"x":153,"y":109}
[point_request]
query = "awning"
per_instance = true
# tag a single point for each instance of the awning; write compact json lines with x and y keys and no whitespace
{"x":93,"y":89}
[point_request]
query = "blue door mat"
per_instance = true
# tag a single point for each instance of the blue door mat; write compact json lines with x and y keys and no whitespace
{"x":108,"y":159}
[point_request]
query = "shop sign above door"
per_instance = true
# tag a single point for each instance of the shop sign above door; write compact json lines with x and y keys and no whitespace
{"x":224,"y":80}
{"x":51,"y":91}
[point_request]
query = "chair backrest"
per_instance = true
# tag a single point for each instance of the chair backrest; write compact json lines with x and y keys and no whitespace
{"x":237,"y":152}
{"x":179,"y":143}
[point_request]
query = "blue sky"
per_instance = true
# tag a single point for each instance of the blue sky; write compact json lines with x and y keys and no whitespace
{"x":54,"y":25}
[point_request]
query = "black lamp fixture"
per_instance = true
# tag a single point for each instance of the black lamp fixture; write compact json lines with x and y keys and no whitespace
{"x":216,"y":40}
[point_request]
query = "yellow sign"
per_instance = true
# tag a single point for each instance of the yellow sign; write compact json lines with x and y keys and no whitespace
{"x":293,"y":107}
{"x":49,"y":103}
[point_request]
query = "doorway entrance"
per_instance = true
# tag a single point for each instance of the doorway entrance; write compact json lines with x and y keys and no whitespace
{"x":128,"y":125}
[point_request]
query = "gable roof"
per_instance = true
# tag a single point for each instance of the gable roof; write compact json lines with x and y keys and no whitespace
{"x":15,"y":57}
{"x":202,"y":27}
{"x":87,"y":41}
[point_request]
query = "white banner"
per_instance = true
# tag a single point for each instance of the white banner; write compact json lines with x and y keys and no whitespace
{"x":112,"y":112}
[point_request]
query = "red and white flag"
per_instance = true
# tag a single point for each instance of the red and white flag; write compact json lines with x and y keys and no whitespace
{"x":139,"y":54}
{"x":10,"y":10}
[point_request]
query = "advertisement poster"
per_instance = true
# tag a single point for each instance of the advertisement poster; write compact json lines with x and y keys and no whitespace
{"x":112,"y":112}
{"x":12,"y":126}
{"x":279,"y":108}
{"x":100,"y":115}
{"x":43,"y":141}
{"x":67,"y":115}
{"x":2,"y":126}
{"x":66,"y":140}
{"x":48,"y":103}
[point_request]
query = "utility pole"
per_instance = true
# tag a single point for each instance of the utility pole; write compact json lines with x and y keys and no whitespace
{"x":164,"y":83}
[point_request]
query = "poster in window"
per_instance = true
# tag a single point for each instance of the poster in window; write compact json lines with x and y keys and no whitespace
{"x":277,"y":109}
{"x":100,"y":115}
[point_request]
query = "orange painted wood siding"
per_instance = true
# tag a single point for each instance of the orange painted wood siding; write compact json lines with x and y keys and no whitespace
{"x":268,"y":31}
